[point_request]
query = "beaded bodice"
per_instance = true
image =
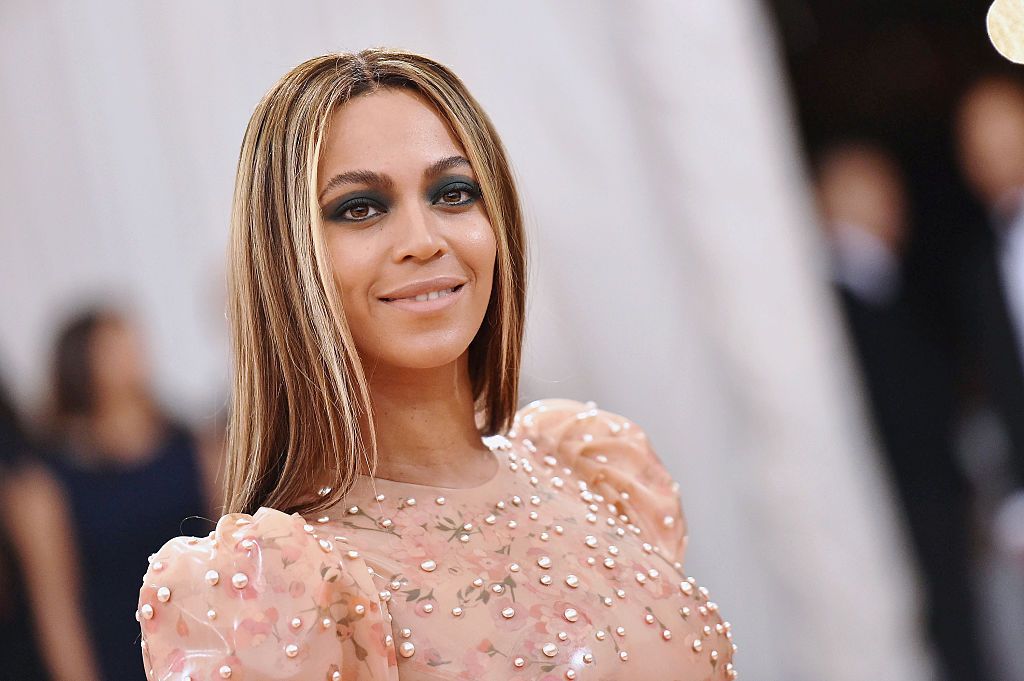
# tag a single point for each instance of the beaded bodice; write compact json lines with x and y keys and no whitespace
{"x":567,"y":564}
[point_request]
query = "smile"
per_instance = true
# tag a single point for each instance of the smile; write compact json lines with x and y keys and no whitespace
{"x":427,"y":302}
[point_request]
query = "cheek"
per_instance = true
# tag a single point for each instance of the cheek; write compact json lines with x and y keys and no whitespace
{"x":352,"y":270}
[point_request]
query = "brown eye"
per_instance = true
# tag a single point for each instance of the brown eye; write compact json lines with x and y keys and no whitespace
{"x":358,"y":210}
{"x":453,"y":196}
{"x":457,"y":194}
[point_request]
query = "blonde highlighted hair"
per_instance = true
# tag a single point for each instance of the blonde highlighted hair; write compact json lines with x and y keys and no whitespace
{"x":299,"y":391}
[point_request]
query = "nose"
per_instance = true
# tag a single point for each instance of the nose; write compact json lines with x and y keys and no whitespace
{"x":418,"y":236}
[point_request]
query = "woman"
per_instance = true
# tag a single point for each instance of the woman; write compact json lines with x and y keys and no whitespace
{"x":121,"y":477}
{"x":393,"y":516}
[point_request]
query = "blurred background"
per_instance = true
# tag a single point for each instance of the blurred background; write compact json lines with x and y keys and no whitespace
{"x":785,"y":237}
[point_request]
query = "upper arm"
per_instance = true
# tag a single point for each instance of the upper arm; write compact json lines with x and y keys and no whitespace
{"x":264,"y":595}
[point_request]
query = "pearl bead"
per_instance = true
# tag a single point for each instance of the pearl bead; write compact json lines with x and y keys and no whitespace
{"x":386,"y":523}
{"x":379,"y":497}
{"x":573,"y":581}
{"x":464,"y":538}
{"x":641,"y":577}
{"x":649,"y":618}
{"x":296,"y":623}
{"x":512,"y":524}
{"x":239,"y":580}
{"x":508,"y":613}
{"x":686,"y":588}
{"x":491,"y":519}
{"x":163,"y":594}
{"x":291,"y":650}
{"x":550,"y":649}
{"x":623,"y":655}
{"x":211,"y":614}
{"x":457,"y":611}
{"x":697,"y":645}
{"x":609,"y":563}
{"x":562,"y":636}
{"x":600,"y":634}
{"x":590,"y":541}
{"x":147,"y":611}
{"x":352,"y":510}
{"x":406,"y":649}
{"x":570,"y":614}
{"x":497,"y":588}
{"x":360,"y":609}
{"x":428,"y":565}
{"x":326,"y":623}
{"x":545,"y":580}
{"x":479,"y":581}
{"x":352,"y":553}
{"x":621,"y":631}
{"x":588,"y":658}
{"x":514,"y":567}
{"x":225,"y":672}
{"x":684,"y":611}
{"x":570,"y":673}
{"x":325,"y":545}
{"x":440,"y":502}
{"x":666,"y":634}
{"x":212,"y":577}
{"x":519,"y":662}
{"x":544,"y":562}
{"x":428,"y":607}
{"x":405,"y":632}
{"x":248,"y":544}
{"x":607,"y":601}
{"x":621,"y":593}
{"x":714,"y":655}
{"x":410,"y":502}
{"x":336,"y":676}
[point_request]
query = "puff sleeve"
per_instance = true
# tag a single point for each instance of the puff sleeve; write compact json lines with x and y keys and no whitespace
{"x":613,"y":456}
{"x":263,"y":597}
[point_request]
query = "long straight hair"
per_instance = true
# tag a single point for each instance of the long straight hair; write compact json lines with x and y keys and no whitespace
{"x":299,"y":389}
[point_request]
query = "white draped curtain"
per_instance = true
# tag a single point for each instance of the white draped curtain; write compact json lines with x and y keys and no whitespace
{"x":674,"y":272}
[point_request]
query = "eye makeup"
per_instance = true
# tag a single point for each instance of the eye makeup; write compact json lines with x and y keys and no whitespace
{"x":380,"y":202}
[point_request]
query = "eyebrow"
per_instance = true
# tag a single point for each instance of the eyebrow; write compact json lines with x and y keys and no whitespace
{"x":373,"y":178}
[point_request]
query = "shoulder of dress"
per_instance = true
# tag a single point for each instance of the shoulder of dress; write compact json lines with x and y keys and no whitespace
{"x":268,"y":540}
{"x":557,"y":415}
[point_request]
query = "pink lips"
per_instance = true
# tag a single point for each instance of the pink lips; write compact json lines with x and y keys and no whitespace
{"x":439,"y":303}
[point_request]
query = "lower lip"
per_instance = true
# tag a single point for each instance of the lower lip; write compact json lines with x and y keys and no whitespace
{"x":427,"y":305}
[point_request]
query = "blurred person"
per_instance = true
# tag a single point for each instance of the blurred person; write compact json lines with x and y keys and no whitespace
{"x":909,"y":385}
{"x":989,"y":128}
{"x":120,"y":475}
{"x":20,"y":659}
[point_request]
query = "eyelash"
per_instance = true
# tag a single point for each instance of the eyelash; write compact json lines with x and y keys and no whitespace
{"x":472,"y":191}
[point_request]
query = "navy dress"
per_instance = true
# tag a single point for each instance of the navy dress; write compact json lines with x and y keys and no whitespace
{"x":119,"y":514}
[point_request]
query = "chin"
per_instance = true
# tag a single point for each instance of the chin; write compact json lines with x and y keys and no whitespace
{"x":424,"y":355}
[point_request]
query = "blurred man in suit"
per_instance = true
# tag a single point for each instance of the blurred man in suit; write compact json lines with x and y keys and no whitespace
{"x":909,"y":384}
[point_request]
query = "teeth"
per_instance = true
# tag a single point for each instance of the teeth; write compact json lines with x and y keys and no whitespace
{"x":434,"y":295}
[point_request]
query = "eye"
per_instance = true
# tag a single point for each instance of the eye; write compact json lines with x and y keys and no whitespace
{"x":457,"y":194}
{"x":358,"y":210}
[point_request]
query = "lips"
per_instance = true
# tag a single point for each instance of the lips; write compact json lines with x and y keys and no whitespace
{"x":431,"y":295}
{"x":424,"y":286}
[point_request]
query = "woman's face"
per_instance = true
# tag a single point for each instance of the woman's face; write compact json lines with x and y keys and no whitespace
{"x":403,"y":216}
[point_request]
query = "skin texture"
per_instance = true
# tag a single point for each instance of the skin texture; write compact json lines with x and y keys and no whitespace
{"x":420,"y":227}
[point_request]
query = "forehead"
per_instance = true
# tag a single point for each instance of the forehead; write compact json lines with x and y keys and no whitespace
{"x":388,"y":131}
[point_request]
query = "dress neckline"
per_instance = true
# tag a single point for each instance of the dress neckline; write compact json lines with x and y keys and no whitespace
{"x":497,"y":445}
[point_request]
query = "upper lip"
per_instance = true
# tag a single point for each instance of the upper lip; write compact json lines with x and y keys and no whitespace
{"x":424,"y":286}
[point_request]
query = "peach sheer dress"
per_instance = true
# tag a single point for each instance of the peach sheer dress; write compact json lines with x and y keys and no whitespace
{"x":567,"y":564}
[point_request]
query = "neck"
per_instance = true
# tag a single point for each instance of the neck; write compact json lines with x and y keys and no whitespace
{"x":426,"y":426}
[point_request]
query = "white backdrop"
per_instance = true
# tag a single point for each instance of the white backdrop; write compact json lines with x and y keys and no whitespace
{"x":674,"y":253}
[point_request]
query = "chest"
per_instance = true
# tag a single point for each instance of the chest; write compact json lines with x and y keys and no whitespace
{"x":535,"y":584}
